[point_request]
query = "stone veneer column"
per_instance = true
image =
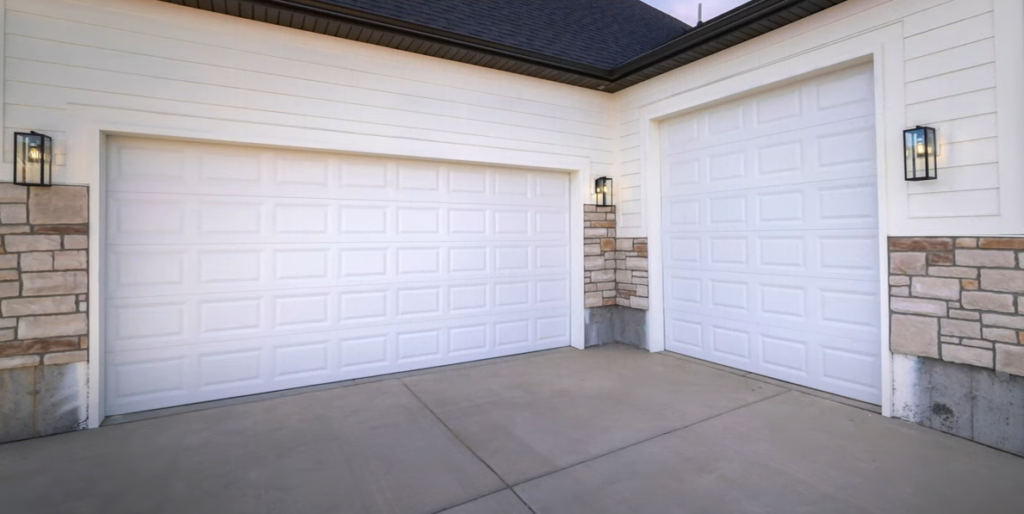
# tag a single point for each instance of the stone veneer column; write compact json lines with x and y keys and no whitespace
{"x":43,"y":322}
{"x":615,"y":281}
{"x":959,"y":299}
{"x":615,"y":269}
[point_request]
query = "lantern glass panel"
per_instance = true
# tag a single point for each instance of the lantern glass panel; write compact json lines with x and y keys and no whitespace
{"x":603,"y":191}
{"x":921,"y":154}
{"x":33,"y":159}
{"x":931,"y":154}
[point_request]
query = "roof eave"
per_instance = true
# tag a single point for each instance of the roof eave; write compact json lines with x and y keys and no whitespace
{"x":458,"y":47}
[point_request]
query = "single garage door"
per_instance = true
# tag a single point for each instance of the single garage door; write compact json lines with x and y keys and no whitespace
{"x":236,"y":270}
{"x":770,"y":229}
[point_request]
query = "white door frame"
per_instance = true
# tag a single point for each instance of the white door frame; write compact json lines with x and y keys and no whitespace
{"x":884,"y":48}
{"x":86,"y":140}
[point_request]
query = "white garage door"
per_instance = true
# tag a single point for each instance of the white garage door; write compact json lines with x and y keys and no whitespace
{"x":237,"y":270}
{"x":770,"y":227}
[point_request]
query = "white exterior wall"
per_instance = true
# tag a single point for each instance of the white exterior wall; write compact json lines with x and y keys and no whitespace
{"x":939,"y":68}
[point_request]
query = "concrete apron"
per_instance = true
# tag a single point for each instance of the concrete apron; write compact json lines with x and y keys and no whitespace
{"x":605,"y":430}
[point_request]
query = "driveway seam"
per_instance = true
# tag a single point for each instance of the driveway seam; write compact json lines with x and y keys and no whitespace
{"x":628,"y":446}
{"x":466,"y":446}
{"x":134,"y":417}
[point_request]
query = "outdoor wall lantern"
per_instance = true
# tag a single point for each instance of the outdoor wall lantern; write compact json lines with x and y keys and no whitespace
{"x":33,"y":159}
{"x":921,"y":151}
{"x":603,"y":191}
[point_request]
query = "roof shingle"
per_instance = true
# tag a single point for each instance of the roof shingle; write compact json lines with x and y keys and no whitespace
{"x":603,"y":33}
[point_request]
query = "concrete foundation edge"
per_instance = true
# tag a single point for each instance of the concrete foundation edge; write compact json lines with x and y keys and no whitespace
{"x":615,"y":324}
{"x":967,"y":401}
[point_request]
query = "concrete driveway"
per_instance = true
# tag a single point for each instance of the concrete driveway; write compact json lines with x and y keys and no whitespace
{"x":607,"y":430}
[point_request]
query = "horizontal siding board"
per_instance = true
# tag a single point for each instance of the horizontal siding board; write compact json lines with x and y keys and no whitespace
{"x":966,"y":129}
{"x":154,"y":54}
{"x":630,"y":154}
{"x":944,"y":14}
{"x":341,"y":128}
{"x":955,"y":204}
{"x":630,"y":180}
{"x":959,"y":178}
{"x":630,"y":141}
{"x":952,"y":84}
{"x":33,"y":72}
{"x":953,"y":59}
{"x":969,"y":153}
{"x":952,"y":108}
{"x":32,"y":96}
{"x":949,"y":36}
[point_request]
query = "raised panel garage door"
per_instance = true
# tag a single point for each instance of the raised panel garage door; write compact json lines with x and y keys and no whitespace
{"x":237,"y":270}
{"x":770,"y":233}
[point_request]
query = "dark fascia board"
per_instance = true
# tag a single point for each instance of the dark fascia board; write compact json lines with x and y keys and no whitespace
{"x":740,"y":24}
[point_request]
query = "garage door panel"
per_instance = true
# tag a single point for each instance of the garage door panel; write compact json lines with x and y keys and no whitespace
{"x":150,"y":165}
{"x":832,"y":152}
{"x":829,"y":99}
{"x":827,"y":205}
{"x":154,"y":322}
{"x":161,"y":377}
{"x":844,"y":254}
{"x":137,"y":218}
{"x":849,"y":367}
{"x":139,"y":271}
{"x":841,"y":308}
{"x":234,"y":270}
{"x":771,"y":243}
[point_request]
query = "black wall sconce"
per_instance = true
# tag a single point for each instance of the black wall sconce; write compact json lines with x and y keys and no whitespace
{"x":603,"y":191}
{"x":921,"y":151}
{"x":33,"y":159}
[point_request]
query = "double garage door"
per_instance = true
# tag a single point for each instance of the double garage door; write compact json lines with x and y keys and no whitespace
{"x":770,"y":234}
{"x":237,"y":270}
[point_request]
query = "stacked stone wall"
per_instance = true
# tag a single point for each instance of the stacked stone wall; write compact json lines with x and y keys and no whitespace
{"x":959,"y":299}
{"x":615,"y":269}
{"x":44,"y":331}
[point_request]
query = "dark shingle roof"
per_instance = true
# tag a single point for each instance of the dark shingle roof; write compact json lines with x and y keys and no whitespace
{"x":602,"y":33}
{"x":607,"y":45}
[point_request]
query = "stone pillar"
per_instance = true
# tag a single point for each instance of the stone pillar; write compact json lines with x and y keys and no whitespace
{"x":43,"y":310}
{"x":615,"y":281}
{"x":615,"y":269}
{"x":957,"y":328}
